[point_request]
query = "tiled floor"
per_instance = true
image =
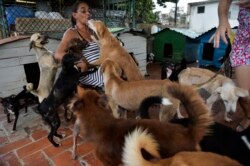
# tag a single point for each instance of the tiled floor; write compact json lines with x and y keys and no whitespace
{"x":29,"y":144}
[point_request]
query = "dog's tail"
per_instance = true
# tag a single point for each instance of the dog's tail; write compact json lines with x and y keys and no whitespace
{"x":198,"y":112}
{"x":134,"y":142}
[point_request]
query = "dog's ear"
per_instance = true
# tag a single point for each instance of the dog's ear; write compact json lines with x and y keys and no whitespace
{"x":103,"y":102}
{"x":32,"y":43}
{"x":80,"y":91}
{"x":218,"y":90}
{"x":241,"y":92}
{"x":78,"y":105}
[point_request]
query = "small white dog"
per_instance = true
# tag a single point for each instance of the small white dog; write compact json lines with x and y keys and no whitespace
{"x":219,"y":87}
{"x":47,"y":65}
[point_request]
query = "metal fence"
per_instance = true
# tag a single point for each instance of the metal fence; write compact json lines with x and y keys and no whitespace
{"x":24,"y":17}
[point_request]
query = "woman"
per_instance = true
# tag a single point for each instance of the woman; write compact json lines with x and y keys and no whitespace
{"x":240,"y":55}
{"x":80,"y":16}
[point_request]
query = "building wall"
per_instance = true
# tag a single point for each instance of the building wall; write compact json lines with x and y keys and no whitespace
{"x":202,"y":22}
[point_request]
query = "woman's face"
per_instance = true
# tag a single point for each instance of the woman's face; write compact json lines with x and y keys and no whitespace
{"x":82,"y":14}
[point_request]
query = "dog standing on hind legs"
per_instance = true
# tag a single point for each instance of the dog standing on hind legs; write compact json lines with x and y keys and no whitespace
{"x":47,"y":65}
{"x":63,"y":88}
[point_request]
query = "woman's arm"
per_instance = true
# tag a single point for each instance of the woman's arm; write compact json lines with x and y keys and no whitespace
{"x":63,"y":45}
{"x":224,"y":26}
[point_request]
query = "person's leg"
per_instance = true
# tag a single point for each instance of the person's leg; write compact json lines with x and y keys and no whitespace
{"x":242,"y":74}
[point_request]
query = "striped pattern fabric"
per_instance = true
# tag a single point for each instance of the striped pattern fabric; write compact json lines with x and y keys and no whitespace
{"x":91,"y":53}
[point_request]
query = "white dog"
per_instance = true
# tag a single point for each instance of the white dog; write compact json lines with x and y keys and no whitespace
{"x":219,"y":87}
{"x":47,"y":65}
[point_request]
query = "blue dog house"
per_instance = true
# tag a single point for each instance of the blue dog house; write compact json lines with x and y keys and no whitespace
{"x":207,"y":54}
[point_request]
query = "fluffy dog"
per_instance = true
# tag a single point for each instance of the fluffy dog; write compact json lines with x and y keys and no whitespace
{"x":129,"y":94}
{"x":221,"y":140}
{"x":110,"y":47}
{"x":64,"y":87}
{"x":219,"y":87}
{"x":108,"y":135}
{"x":141,"y":139}
{"x":13,"y":103}
{"x":47,"y":65}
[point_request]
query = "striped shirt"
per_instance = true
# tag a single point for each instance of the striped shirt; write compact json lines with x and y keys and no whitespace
{"x":92,"y":53}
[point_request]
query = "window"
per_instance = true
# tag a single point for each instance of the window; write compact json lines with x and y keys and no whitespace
{"x":201,"y":9}
{"x":208,"y":52}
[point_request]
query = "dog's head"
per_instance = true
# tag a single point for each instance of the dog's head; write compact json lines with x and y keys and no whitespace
{"x":9,"y":104}
{"x":38,"y":40}
{"x":90,"y":101}
{"x":99,"y":28}
{"x":230,"y":94}
{"x":76,"y":45}
{"x":111,"y":67}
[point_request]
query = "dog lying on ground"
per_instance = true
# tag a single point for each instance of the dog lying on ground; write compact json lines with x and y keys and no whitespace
{"x":47,"y":64}
{"x":129,"y":94}
{"x":110,"y":47}
{"x":141,"y":139}
{"x":14,"y":103}
{"x":222,"y":140}
{"x":219,"y":87}
{"x":63,"y":88}
{"x":108,"y":135}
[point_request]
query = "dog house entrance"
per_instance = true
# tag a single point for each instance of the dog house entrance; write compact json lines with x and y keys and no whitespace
{"x":168,"y":50}
{"x":32,"y":73}
{"x":208,"y":52}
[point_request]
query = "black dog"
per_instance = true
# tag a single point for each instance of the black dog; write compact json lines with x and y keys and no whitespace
{"x":171,"y":69}
{"x":222,"y":139}
{"x":63,"y":88}
{"x":13,"y":103}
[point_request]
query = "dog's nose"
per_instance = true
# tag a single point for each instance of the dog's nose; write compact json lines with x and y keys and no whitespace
{"x":231,"y":112}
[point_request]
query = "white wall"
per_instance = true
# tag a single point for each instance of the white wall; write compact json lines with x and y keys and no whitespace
{"x":202,"y":22}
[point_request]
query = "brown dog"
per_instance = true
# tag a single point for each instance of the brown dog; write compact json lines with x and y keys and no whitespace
{"x":93,"y":117}
{"x":141,"y":139}
{"x":110,"y":47}
{"x":47,"y":64}
{"x":129,"y":94}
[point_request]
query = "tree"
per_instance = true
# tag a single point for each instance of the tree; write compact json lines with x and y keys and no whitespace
{"x":144,"y":11}
{"x":161,"y":3}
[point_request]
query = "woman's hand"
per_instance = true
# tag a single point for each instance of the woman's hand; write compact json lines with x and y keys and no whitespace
{"x":223,"y":29}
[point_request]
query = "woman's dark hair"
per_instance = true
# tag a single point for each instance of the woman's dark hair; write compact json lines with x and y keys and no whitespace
{"x":75,"y":7}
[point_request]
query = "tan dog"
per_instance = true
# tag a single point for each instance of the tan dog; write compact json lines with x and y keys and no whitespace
{"x":129,"y":94}
{"x":219,"y":87}
{"x":110,"y":47}
{"x":47,"y":65}
{"x":94,"y":119}
{"x":142,"y":139}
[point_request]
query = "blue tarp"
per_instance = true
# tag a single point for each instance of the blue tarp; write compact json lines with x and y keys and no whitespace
{"x":13,"y":12}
